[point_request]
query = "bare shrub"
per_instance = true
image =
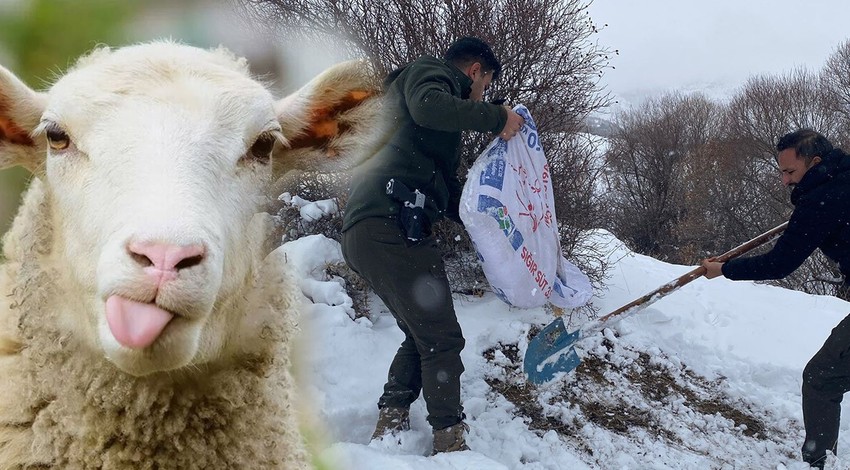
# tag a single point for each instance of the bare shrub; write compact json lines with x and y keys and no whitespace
{"x":689,"y":178}
{"x":355,"y":286}
{"x":836,"y":82}
{"x":651,"y":163}
{"x":550,"y":64}
{"x":764,"y":110}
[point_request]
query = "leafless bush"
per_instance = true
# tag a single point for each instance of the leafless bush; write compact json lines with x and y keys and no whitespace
{"x":355,"y":286}
{"x":651,"y":162}
{"x":766,"y":109}
{"x":836,"y":83}
{"x":576,"y":168}
{"x":309,"y":186}
{"x":689,"y":178}
{"x":291,"y":225}
{"x":550,"y":64}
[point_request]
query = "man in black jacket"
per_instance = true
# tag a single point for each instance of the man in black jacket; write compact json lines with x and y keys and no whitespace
{"x":820,"y":177}
{"x":405,"y":187}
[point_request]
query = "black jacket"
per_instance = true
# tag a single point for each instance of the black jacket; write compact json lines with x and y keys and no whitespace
{"x":821,"y":219}
{"x":427,"y":109}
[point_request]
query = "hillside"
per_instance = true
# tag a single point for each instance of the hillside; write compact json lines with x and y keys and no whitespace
{"x":707,"y":378}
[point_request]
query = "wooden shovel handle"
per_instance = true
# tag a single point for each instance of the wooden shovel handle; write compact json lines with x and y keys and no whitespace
{"x":698,"y":272}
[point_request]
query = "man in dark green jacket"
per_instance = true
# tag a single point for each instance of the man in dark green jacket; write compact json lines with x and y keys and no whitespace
{"x":820,"y":176}
{"x":398,"y":194}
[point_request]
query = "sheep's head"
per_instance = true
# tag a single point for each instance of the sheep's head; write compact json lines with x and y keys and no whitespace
{"x":155,"y":159}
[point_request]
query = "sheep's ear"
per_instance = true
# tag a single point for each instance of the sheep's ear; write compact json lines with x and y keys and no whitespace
{"x":329,"y":119}
{"x":20,"y":112}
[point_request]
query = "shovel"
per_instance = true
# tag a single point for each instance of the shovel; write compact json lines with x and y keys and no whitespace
{"x":553,"y":349}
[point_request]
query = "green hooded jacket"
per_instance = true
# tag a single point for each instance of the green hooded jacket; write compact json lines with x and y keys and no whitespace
{"x":427,"y":108}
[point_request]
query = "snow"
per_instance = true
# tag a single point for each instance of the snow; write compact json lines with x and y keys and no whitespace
{"x":743,"y":342}
{"x":310,"y":211}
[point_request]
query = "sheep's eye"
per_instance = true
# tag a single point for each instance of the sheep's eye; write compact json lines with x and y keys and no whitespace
{"x":261,"y":150}
{"x":57,"y":139}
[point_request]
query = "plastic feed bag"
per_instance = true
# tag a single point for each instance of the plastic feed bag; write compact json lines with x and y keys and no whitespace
{"x":508,"y":209}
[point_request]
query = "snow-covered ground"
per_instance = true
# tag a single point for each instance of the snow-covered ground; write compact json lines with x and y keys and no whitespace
{"x":706,"y":378}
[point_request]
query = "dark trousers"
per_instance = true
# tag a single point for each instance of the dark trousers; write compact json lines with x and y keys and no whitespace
{"x":826,"y":379}
{"x":411,"y":280}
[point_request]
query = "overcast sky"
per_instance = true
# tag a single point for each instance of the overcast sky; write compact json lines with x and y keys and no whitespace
{"x":713,"y":45}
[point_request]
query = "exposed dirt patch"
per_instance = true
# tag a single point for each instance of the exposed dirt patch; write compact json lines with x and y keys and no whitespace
{"x":700,"y":394}
{"x":523,"y":394}
{"x":628,"y":392}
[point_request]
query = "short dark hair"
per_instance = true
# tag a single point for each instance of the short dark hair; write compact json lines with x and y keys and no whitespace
{"x":468,"y":50}
{"x":806,"y":143}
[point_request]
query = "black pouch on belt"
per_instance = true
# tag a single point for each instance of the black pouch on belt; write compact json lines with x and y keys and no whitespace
{"x":411,"y":216}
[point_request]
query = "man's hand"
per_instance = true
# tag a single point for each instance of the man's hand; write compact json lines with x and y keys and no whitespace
{"x":712,"y":268}
{"x":513,"y":124}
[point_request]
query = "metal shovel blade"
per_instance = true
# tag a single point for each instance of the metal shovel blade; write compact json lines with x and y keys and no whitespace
{"x":551,"y":351}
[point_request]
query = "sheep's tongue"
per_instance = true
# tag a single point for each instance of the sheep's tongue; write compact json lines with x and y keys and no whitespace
{"x":134,"y":324}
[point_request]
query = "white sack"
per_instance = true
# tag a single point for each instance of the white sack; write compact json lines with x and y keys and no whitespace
{"x":508,"y":209}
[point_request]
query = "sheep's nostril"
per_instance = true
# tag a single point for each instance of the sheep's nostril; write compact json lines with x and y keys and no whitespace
{"x":189,"y":262}
{"x":142,"y":260}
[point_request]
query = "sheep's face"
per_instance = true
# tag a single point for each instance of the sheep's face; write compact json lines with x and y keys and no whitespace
{"x":157,"y":161}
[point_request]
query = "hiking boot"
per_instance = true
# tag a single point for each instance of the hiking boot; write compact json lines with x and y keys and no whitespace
{"x":391,"y":420}
{"x":450,"y":439}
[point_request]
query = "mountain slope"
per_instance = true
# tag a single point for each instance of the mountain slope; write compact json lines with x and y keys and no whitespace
{"x":707,"y":378}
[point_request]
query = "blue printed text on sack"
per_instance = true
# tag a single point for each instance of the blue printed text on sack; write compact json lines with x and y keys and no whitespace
{"x":494,"y":174}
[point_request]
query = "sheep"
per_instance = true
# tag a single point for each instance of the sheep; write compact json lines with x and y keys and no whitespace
{"x":145,"y":315}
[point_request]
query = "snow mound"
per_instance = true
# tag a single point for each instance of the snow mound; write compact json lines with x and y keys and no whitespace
{"x":707,"y":378}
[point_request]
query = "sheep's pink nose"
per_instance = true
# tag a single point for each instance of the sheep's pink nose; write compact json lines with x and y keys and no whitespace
{"x":165,"y":258}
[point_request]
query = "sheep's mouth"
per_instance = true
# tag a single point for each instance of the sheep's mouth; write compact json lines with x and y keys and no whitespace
{"x":136,"y":325}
